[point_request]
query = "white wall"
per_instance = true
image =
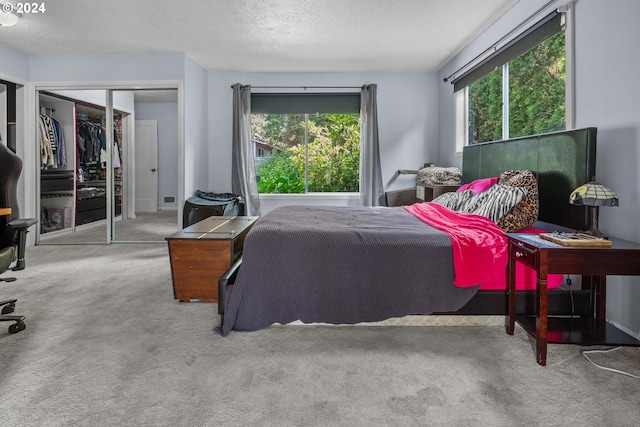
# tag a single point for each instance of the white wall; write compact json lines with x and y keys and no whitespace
{"x":126,"y":67}
{"x":196,"y":150}
{"x":166,"y":113}
{"x":14,"y":66}
{"x":607,"y":97}
{"x":407,"y":121}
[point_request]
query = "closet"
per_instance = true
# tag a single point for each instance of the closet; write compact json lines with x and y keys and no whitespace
{"x":72,"y":138}
{"x":91,"y":187}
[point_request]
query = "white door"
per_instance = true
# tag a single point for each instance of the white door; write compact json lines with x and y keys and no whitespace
{"x":146,"y":166}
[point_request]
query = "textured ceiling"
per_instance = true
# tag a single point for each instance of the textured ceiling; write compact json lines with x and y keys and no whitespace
{"x":262,"y":35}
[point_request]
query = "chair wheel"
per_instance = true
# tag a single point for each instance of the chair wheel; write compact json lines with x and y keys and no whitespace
{"x":17,"y":327}
{"x":8,"y":308}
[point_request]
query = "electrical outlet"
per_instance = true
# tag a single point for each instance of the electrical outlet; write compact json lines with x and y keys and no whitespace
{"x":169,"y":199}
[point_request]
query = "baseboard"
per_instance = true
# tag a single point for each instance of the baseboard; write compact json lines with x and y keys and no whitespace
{"x":625,"y":330}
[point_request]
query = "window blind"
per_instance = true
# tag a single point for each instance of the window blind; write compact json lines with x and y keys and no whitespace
{"x":548,"y":26}
{"x":302,"y":103}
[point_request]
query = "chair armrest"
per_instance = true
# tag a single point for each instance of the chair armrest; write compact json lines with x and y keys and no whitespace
{"x":22,"y":223}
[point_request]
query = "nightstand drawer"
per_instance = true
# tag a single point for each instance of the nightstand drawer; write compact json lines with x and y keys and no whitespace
{"x":523,"y":254}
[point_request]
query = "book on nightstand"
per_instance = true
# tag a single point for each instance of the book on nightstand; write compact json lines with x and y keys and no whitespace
{"x":576,"y":239}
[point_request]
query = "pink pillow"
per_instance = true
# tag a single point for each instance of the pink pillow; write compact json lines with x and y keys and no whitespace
{"x":479,"y":185}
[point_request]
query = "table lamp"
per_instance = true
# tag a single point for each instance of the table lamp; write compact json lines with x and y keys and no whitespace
{"x":593,"y":195}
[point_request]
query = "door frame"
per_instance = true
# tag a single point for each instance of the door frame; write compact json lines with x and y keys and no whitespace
{"x":32,"y":168}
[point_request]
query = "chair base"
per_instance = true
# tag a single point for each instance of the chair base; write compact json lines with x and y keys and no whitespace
{"x":8,"y":306}
{"x":18,"y":326}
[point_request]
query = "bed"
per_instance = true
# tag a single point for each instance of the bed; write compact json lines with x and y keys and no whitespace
{"x":355,"y":264}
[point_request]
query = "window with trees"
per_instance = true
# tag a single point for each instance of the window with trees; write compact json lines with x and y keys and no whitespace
{"x":518,"y":91}
{"x":299,"y":151}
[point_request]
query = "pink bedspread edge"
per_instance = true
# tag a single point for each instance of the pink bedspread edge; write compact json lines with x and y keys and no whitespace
{"x":480,"y":249}
{"x":479,"y":246}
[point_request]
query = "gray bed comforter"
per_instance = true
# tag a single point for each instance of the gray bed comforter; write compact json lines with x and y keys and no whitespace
{"x":341,"y":265}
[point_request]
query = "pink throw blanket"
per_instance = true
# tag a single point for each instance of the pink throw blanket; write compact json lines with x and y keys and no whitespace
{"x":479,"y":246}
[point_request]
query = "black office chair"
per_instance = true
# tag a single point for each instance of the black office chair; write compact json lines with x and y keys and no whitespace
{"x":13,"y":231}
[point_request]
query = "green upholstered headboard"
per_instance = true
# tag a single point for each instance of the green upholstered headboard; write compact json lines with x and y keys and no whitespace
{"x":561,"y":161}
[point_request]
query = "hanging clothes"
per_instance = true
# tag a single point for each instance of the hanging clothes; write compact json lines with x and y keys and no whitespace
{"x":116,"y":157}
{"x":52,"y":143}
{"x":60,"y":143}
{"x":90,"y":139}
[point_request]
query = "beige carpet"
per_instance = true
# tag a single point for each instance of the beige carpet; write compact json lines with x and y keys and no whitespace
{"x":107,"y":345}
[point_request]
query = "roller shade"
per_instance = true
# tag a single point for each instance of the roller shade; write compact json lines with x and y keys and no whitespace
{"x":548,"y":26}
{"x":301,"y":103}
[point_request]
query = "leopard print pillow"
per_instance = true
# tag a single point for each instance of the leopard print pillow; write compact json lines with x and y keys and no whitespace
{"x":525,"y":213}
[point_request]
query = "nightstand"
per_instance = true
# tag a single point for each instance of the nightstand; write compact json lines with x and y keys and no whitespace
{"x":593,"y":264}
{"x":428,"y":192}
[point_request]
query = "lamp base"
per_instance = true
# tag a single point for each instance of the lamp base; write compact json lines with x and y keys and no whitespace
{"x":593,"y":229}
{"x":595,"y":233}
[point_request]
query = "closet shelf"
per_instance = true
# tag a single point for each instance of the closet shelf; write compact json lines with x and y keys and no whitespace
{"x":53,"y":195}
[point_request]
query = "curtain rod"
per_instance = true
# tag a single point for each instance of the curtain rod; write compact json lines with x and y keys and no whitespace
{"x":494,"y":46}
{"x":306,"y":87}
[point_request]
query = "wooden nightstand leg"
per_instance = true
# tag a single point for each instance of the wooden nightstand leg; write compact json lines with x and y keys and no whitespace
{"x":589,"y":284}
{"x":541,"y":319}
{"x":601,"y":297}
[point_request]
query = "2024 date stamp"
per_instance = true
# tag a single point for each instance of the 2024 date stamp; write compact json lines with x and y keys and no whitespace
{"x":24,"y":8}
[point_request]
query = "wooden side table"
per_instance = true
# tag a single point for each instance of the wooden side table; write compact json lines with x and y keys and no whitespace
{"x":203,"y":252}
{"x":594,"y":264}
{"x":428,"y":192}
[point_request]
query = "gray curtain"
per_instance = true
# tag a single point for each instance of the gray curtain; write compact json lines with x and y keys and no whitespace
{"x":243,"y":172}
{"x":371,"y":189}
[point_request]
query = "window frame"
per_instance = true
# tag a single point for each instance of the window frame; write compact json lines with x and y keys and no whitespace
{"x":461,"y":114}
{"x":566,"y":18}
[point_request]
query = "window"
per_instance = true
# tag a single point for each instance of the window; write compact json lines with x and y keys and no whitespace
{"x":485,"y":108}
{"x":518,"y":91}
{"x":300,"y":151}
{"x":537,"y":89}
